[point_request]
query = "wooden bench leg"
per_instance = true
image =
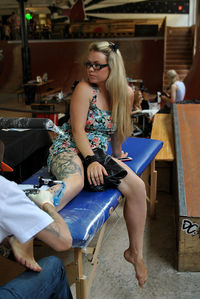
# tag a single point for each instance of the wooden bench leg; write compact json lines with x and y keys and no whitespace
{"x":81,"y":285}
{"x":81,"y":288}
{"x":153,"y":190}
{"x":74,"y":270}
{"x":94,"y":261}
{"x":149,"y":177}
{"x":75,"y":274}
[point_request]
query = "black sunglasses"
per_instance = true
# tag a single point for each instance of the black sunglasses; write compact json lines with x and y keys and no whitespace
{"x":95,"y":66}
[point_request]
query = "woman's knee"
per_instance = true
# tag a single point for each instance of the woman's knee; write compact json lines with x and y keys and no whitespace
{"x":142,"y":188}
{"x":141,"y":184}
{"x":75,"y":183}
{"x":134,"y":186}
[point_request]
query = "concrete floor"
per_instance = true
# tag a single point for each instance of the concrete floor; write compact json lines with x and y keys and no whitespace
{"x":115,"y":278}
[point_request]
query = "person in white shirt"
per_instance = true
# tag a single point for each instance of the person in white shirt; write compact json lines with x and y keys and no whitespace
{"x":21,"y":220}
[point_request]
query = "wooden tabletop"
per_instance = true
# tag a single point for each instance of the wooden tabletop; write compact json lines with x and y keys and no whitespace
{"x":162,"y":129}
{"x":35,"y":83}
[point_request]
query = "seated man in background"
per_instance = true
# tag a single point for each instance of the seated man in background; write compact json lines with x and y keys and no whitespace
{"x":21,"y":219}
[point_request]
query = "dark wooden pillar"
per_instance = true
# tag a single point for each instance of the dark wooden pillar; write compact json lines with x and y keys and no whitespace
{"x":25,"y":51}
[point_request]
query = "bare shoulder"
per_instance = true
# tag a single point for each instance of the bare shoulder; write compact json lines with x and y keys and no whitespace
{"x":81,"y":96}
{"x":174,"y":86}
{"x":83,"y":84}
{"x":83,"y":88}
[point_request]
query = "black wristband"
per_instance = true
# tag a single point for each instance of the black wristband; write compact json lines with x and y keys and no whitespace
{"x":89,"y":159}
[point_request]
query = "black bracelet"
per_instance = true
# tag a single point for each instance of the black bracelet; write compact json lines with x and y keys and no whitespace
{"x":89,"y":159}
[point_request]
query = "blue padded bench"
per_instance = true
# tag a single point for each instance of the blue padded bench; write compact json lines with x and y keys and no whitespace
{"x":87,"y":213}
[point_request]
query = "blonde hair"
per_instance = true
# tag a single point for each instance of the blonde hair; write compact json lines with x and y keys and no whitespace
{"x":172,"y":76}
{"x":116,"y":85}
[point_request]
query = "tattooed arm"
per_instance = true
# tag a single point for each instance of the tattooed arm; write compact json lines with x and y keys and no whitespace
{"x":57,"y":234}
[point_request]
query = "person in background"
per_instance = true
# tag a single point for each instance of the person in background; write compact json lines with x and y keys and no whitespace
{"x":14,"y":22}
{"x":6,"y":31}
{"x":144,"y":121}
{"x":176,"y":92}
{"x":137,"y":103}
{"x":20,"y":221}
{"x":100,"y":111}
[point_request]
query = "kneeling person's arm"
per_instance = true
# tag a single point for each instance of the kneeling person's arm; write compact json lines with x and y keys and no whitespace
{"x":56,"y":234}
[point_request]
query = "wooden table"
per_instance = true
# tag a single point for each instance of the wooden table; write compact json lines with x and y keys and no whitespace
{"x":39,"y":87}
{"x":162,"y":129}
{"x":39,"y":84}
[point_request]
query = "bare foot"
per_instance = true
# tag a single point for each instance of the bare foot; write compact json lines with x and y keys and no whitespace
{"x":140,"y":269}
{"x":24,"y":254}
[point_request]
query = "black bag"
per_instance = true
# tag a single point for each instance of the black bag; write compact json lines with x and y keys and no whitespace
{"x":114,"y":170}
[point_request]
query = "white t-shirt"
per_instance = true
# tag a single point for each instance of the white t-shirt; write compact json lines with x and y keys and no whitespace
{"x":19,"y":216}
{"x":180,"y":93}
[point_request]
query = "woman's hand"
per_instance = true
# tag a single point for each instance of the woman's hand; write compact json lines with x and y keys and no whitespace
{"x":123,"y":155}
{"x":95,"y":173}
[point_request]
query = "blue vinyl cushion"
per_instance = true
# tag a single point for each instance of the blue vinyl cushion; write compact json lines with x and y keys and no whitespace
{"x":88,"y":211}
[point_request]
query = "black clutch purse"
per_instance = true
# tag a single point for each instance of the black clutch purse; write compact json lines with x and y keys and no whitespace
{"x":114,"y":170}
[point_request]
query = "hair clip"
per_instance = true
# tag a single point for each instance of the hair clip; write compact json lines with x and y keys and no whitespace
{"x":114,"y":47}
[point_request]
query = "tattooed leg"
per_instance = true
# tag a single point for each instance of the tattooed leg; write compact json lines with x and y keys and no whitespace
{"x":67,"y":166}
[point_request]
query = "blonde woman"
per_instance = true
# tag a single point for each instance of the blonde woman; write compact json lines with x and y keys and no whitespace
{"x":177,"y":90}
{"x":99,"y":112}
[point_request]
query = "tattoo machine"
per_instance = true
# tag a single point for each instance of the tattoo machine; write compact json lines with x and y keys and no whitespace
{"x":59,"y":193}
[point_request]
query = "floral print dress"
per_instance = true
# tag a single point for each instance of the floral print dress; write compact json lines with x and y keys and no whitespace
{"x":98,"y":128}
